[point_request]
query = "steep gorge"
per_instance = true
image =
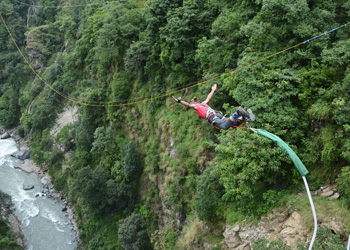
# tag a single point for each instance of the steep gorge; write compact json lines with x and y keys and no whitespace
{"x":153,"y":171}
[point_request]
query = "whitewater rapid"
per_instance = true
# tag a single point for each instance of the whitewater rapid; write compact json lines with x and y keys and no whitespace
{"x":44,"y":225}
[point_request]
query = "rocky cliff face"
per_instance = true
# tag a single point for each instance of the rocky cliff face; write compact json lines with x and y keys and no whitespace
{"x":287,"y":225}
{"x":35,"y":48}
{"x":290,"y":227}
{"x":276,"y":225}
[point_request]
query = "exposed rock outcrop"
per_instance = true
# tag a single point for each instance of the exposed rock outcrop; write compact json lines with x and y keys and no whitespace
{"x":280,"y":225}
{"x":68,"y":116}
{"x":277,"y":225}
{"x":172,"y":153}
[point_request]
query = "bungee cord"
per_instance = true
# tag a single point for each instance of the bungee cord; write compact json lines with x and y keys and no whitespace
{"x":313,"y":212}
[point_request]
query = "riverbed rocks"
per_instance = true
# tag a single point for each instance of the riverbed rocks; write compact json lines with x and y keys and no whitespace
{"x":22,"y":154}
{"x":27,"y":187}
{"x":327,"y":191}
{"x":29,"y":166}
{"x":5,"y":135}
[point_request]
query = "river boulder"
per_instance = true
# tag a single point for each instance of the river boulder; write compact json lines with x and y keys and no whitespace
{"x":22,"y":154}
{"x":5,"y":135}
{"x":28,"y":187}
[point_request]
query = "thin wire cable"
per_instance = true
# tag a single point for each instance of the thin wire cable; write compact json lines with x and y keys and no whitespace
{"x":146,"y":99}
{"x":326,"y":33}
{"x":31,"y":67}
{"x":172,"y":92}
{"x":42,"y":75}
{"x":68,"y":6}
{"x":313,"y":212}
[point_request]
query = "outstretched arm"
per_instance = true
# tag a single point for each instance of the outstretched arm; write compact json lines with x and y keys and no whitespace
{"x":210,"y":94}
{"x":186,"y":104}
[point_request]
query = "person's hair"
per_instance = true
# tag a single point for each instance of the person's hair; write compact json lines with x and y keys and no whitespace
{"x":194,"y":99}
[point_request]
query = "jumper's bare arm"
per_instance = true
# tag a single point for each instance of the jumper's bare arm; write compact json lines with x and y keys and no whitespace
{"x":210,"y":94}
{"x":186,"y":104}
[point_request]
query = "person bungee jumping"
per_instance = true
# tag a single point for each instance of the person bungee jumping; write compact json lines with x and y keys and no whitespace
{"x":214,"y":117}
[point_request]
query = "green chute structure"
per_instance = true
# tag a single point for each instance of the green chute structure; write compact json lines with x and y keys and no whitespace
{"x":284,"y":146}
{"x":298,"y":164}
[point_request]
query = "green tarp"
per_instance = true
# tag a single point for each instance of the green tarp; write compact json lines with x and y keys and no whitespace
{"x":284,"y":146}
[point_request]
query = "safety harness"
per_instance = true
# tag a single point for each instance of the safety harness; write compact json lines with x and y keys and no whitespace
{"x":206,"y":112}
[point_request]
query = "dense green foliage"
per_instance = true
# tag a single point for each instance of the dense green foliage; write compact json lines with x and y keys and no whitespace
{"x":156,"y":155}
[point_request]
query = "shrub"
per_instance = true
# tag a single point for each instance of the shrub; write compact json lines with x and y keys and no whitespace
{"x":132,"y":233}
{"x":209,"y":192}
{"x":274,"y":245}
{"x":205,"y":208}
{"x":165,"y":238}
{"x":325,"y":240}
{"x":132,"y":161}
{"x":343,"y":182}
{"x":91,"y":185}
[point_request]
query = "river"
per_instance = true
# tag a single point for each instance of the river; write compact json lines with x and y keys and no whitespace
{"x":43,"y":223}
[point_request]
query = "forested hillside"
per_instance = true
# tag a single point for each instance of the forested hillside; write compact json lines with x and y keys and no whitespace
{"x":140,"y":175}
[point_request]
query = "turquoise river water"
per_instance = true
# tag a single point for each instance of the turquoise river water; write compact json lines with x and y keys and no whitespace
{"x":44,"y":225}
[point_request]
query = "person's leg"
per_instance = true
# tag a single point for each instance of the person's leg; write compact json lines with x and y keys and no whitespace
{"x":223,"y":124}
{"x":219,"y":115}
{"x":227,"y":123}
{"x":240,"y":112}
{"x":251,"y":115}
{"x":237,"y":122}
{"x":247,"y":115}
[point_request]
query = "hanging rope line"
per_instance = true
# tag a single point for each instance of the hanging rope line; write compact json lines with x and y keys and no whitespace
{"x":313,"y":212}
{"x":168,"y":93}
{"x":68,"y":6}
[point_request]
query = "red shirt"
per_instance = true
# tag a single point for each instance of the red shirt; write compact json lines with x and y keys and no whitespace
{"x":204,"y":111}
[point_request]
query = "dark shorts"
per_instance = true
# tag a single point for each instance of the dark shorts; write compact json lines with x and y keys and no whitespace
{"x":221,"y":122}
